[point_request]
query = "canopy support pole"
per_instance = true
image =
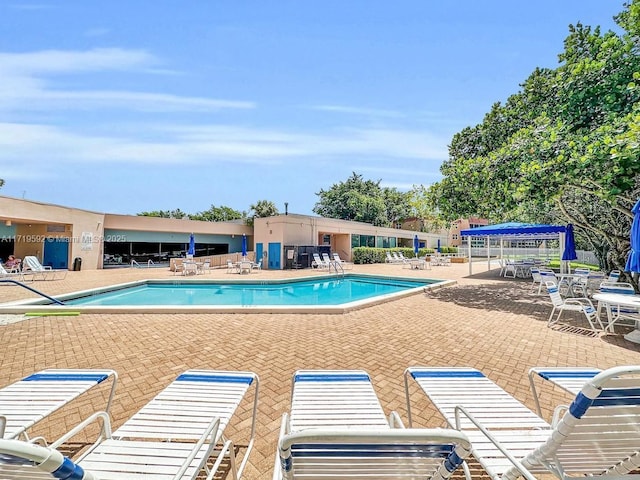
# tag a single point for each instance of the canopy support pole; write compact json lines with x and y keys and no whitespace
{"x":470,"y":240}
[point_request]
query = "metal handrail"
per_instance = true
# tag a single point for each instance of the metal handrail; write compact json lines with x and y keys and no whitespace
{"x":15,"y":282}
{"x":335,"y":265}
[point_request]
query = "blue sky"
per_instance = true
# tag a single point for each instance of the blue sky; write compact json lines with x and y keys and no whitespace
{"x":126,"y":106}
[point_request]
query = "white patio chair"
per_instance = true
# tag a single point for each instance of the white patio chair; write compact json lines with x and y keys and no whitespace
{"x":614,"y":276}
{"x":232,"y":267}
{"x":32,"y":399}
{"x":337,"y":429}
{"x":172,"y":437}
{"x":579,"y":304}
{"x":598,"y":436}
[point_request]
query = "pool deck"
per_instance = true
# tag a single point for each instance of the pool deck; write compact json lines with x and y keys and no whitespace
{"x":483,"y":321}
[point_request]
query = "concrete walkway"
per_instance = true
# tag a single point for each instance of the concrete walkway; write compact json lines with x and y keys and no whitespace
{"x":484,"y":321}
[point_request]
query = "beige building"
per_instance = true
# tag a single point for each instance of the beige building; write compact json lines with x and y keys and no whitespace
{"x":287,"y":240}
{"x":455,"y":240}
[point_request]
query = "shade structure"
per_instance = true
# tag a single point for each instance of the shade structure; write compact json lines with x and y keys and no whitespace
{"x":569,"y":245}
{"x":192,"y":245}
{"x":633,"y":261}
{"x":416,"y":245}
{"x":438,"y":249}
{"x":244,"y":245}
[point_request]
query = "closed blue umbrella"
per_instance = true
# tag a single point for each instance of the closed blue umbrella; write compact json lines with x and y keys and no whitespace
{"x":438,"y":249}
{"x":192,"y":245}
{"x":244,"y":245}
{"x":569,"y":245}
{"x":633,"y":261}
{"x":416,"y":245}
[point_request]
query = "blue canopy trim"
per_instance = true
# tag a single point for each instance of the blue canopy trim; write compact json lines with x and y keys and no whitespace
{"x":514,"y":229}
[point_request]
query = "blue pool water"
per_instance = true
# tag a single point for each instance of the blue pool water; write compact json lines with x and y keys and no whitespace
{"x":316,"y":291}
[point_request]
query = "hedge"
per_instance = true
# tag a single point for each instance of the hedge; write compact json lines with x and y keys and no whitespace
{"x":362,"y":255}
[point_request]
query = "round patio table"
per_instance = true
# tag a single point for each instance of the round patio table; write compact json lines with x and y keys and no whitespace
{"x":609,"y":300}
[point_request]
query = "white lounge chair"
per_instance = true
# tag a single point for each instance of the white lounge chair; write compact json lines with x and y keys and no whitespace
{"x":172,"y":437}
{"x":30,"y":400}
{"x":12,"y":274}
{"x":344,"y":263}
{"x":318,"y":263}
{"x":32,"y":264}
{"x":569,"y":379}
{"x":337,"y":429}
{"x":598,"y":436}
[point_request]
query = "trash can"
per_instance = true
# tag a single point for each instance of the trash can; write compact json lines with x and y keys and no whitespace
{"x":77,"y":264}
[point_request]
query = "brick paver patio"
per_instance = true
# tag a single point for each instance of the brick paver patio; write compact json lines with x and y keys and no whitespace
{"x":484,"y":321}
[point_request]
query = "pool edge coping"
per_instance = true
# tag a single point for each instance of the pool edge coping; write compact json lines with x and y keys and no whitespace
{"x":33,"y":306}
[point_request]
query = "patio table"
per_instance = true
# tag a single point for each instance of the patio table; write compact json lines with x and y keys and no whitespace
{"x":615,"y":300}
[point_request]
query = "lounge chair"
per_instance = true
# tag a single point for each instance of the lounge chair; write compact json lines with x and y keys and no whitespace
{"x":344,"y":263}
{"x":257,"y":266}
{"x":172,"y":437}
{"x":337,"y":428}
{"x":11,"y":274}
{"x":32,"y":264}
{"x":30,"y":400}
{"x":318,"y":263}
{"x":597,"y":436}
{"x":569,"y":379}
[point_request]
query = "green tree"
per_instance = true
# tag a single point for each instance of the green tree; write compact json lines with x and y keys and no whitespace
{"x":565,"y":148}
{"x":217,"y":214}
{"x":261,"y":209}
{"x":177,"y":213}
{"x":362,"y":200}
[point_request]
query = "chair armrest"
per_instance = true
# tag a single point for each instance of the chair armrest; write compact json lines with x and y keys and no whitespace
{"x":395,"y":421}
{"x":516,"y":463}
{"x":585,"y":302}
{"x":103,"y":434}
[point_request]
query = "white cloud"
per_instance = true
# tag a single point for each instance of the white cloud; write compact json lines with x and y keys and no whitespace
{"x":358,"y":111}
{"x":27,"y":84}
{"x":210,"y":144}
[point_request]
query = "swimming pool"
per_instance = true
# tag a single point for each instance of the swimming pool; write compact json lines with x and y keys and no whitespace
{"x":327,"y":294}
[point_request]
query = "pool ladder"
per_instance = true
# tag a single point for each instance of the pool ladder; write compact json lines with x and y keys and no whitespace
{"x":337,"y":266}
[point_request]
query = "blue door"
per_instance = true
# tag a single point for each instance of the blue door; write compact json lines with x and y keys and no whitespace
{"x":275,"y":251}
{"x":56,"y":253}
{"x":259,"y":254}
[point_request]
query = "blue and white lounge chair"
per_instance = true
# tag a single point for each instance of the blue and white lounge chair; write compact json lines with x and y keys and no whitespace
{"x":569,"y":379}
{"x":30,"y":400}
{"x":172,"y":437}
{"x":337,"y":428}
{"x":597,"y":436}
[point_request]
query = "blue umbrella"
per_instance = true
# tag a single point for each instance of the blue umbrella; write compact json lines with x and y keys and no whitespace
{"x":569,"y":245}
{"x":244,"y":245}
{"x":416,"y":245}
{"x":633,"y":262}
{"x":438,"y":246}
{"x":192,"y":245}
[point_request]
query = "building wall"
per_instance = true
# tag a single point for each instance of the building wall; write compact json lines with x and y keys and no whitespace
{"x":463,"y":224}
{"x":82,"y":229}
{"x":302,"y":230}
